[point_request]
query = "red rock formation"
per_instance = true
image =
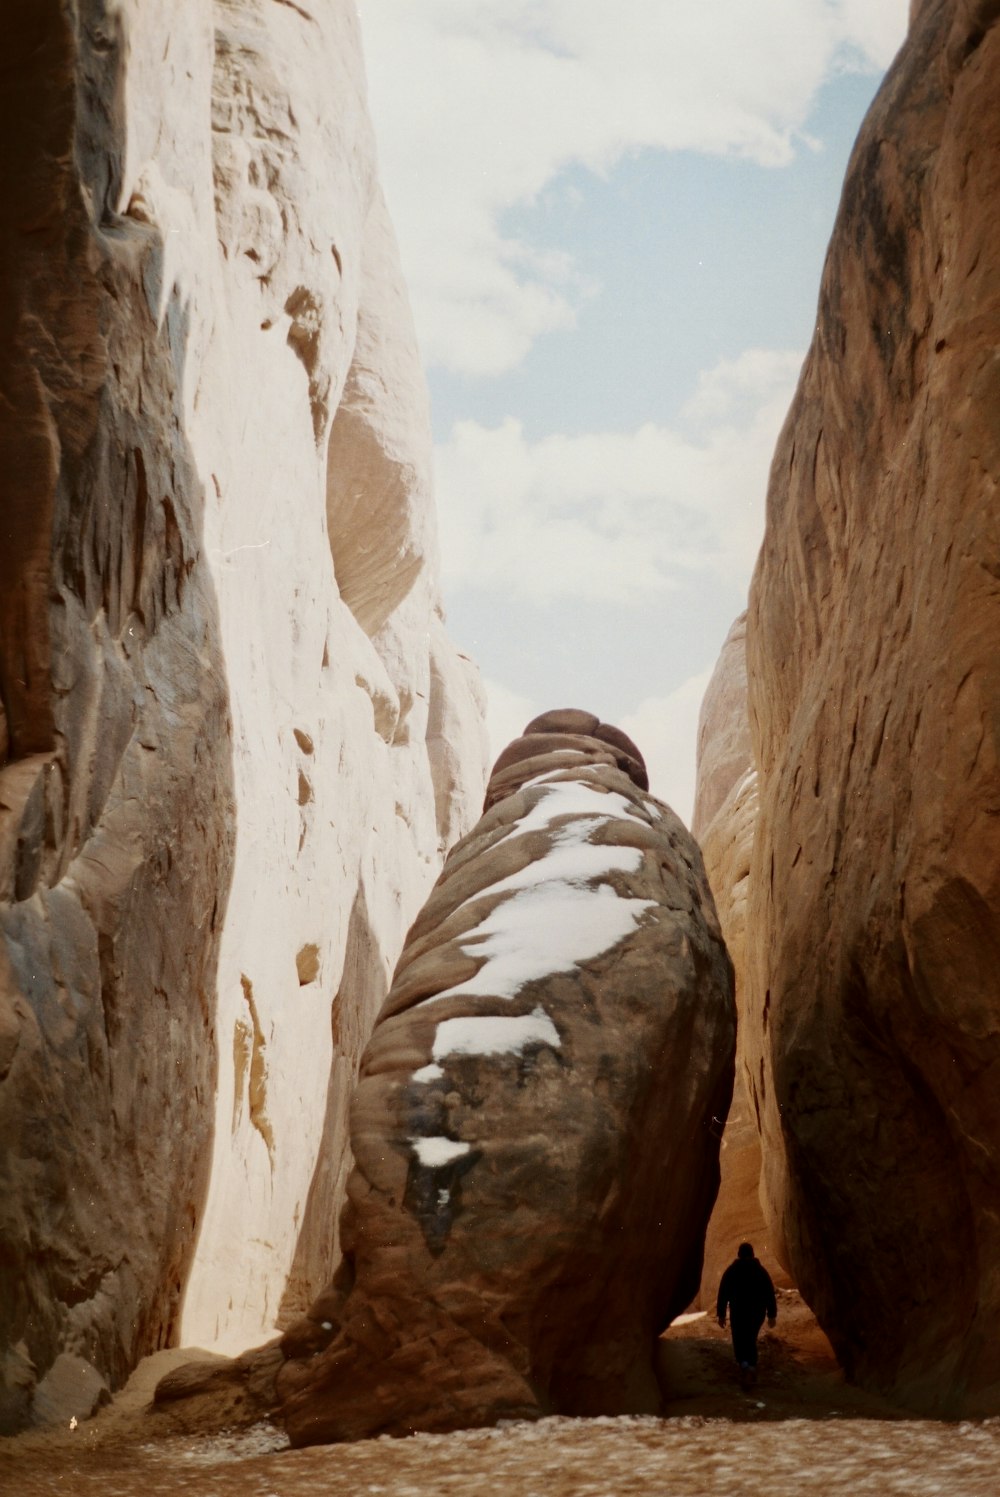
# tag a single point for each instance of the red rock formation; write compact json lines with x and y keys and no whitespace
{"x":738,"y":1216}
{"x":874,"y":924}
{"x":725,"y":814}
{"x":535,"y":1128}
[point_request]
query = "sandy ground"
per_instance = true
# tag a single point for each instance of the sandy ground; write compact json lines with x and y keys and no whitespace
{"x":801,"y":1430}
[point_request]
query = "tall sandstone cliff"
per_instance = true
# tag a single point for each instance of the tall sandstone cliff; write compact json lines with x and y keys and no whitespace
{"x":234,"y":738}
{"x":874,"y":925}
{"x":725,"y":816}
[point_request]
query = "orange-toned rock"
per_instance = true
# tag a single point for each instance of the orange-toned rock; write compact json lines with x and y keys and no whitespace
{"x":534,"y":1135}
{"x":725,"y":814}
{"x":874,"y":922}
{"x":725,"y":752}
{"x":738,"y":1215}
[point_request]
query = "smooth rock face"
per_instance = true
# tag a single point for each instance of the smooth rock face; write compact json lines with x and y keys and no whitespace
{"x":725,"y":815}
{"x":533,"y":1129}
{"x":725,"y":752}
{"x":235,"y":740}
{"x":727,"y":847}
{"x":874,"y":925}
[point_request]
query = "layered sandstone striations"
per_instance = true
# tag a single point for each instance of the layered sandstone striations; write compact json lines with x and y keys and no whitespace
{"x":234,"y":738}
{"x":874,"y":925}
{"x":534,"y":1129}
{"x":725,"y":813}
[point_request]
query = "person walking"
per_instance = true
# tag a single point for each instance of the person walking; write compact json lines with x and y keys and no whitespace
{"x":748,"y":1294}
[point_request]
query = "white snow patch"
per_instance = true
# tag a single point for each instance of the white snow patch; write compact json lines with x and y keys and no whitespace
{"x":572,"y":859}
{"x":428,"y":1073}
{"x":495,"y":1034}
{"x":573,"y":798}
{"x":550,"y":927}
{"x":556,"y":918}
{"x":433,"y":1152}
{"x":553,"y":774}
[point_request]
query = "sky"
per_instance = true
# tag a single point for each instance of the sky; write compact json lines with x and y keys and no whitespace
{"x":612,"y":223}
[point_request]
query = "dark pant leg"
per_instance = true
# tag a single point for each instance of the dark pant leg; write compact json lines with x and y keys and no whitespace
{"x":745,"y":1332}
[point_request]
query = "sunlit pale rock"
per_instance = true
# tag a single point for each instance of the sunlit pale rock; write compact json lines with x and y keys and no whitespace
{"x":235,"y":739}
{"x":533,"y":1129}
{"x":874,"y":920}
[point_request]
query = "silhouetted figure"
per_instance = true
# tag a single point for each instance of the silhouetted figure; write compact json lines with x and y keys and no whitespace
{"x":746,"y":1290}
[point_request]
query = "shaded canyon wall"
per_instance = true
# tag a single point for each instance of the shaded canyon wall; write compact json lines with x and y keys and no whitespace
{"x":235,"y":740}
{"x":725,"y":815}
{"x":873,"y":931}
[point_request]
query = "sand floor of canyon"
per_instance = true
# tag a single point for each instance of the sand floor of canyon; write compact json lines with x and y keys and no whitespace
{"x":802,"y":1430}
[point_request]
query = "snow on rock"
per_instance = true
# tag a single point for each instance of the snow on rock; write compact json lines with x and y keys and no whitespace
{"x":533,"y":1127}
{"x":552,"y":927}
{"x":492,"y":1034}
{"x":235,"y":740}
{"x":432,"y":1153}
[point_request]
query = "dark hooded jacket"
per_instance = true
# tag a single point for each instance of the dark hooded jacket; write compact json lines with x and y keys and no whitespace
{"x":747,"y":1291}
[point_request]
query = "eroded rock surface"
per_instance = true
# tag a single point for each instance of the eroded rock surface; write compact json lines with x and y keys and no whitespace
{"x":116,"y":814}
{"x":234,"y":738}
{"x":533,"y":1130}
{"x":874,"y":925}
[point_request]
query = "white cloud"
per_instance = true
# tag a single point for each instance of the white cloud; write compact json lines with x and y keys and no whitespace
{"x":617,"y":516}
{"x":734,"y":391}
{"x":874,"y":29}
{"x":666,"y":731}
{"x":508,"y":713}
{"x":478,"y":104}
